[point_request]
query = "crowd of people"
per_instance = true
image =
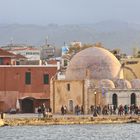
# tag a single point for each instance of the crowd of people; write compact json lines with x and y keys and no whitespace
{"x":42,"y":110}
{"x":64,"y":110}
{"x":104,"y":110}
{"x":95,"y":110}
{"x":79,"y":110}
{"x":113,"y":110}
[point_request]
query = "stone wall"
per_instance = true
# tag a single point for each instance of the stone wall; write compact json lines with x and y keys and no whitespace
{"x":65,"y":92}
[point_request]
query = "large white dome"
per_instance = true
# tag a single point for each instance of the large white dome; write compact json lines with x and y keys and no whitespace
{"x":101,"y":63}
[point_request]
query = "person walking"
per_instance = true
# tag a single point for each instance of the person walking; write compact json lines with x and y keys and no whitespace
{"x":62,"y":110}
{"x":43,"y":110}
{"x":82,"y":110}
{"x":39,"y":112}
{"x":65,"y":109}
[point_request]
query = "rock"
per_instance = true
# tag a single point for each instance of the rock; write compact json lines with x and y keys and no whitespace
{"x":1,"y":122}
{"x":132,"y":121}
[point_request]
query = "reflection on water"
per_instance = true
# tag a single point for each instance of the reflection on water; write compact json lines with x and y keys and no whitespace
{"x":72,"y":132}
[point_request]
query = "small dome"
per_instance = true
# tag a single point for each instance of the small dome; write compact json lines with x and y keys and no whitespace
{"x":106,"y":83}
{"x":122,"y":84}
{"x":101,"y":64}
{"x":135,"y":83}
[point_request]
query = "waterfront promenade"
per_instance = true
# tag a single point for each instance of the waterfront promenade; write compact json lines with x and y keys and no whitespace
{"x":33,"y":119}
{"x":35,"y":115}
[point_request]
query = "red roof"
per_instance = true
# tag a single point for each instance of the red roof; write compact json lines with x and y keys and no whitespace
{"x":4,"y":53}
{"x":23,"y":48}
{"x":52,"y":62}
{"x":19,"y":56}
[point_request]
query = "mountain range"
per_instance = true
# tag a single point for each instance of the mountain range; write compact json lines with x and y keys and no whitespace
{"x":112,"y":34}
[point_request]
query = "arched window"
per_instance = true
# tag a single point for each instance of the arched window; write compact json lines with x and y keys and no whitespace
{"x":133,"y":99}
{"x":115,"y":100}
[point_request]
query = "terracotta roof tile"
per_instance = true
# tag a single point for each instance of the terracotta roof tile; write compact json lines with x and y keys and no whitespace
{"x":23,"y":49}
{"x":18,"y":56}
{"x":4,"y":53}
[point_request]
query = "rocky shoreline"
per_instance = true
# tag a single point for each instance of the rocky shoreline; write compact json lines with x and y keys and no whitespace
{"x":69,"y":120}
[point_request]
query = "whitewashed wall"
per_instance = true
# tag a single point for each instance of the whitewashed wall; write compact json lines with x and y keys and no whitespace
{"x":124,"y":96}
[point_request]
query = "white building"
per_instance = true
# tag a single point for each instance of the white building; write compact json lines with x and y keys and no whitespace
{"x":31,"y":53}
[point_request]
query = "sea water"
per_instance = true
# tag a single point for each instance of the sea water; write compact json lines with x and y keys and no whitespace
{"x":72,"y":132}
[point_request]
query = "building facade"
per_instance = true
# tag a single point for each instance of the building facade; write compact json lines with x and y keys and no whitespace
{"x":31,"y":53}
{"x":94,"y":77}
{"x":25,"y":87}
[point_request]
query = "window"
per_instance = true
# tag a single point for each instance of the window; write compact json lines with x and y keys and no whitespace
{"x":35,"y":53}
{"x":28,"y":78}
{"x":1,"y":61}
{"x":17,"y":63}
{"x":131,"y":62}
{"x":46,"y":78}
{"x":115,"y":100}
{"x":65,"y":62}
{"x":28,"y":53}
{"x":133,"y":99}
{"x":68,"y":87}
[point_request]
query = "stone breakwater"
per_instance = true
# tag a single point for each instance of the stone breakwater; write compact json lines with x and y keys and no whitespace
{"x":71,"y":120}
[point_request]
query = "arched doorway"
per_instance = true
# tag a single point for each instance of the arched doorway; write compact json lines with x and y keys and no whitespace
{"x":71,"y":105}
{"x":133,"y":99}
{"x":27,"y":105}
{"x":115,"y":100}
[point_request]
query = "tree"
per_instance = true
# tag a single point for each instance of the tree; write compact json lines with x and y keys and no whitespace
{"x":77,"y":48}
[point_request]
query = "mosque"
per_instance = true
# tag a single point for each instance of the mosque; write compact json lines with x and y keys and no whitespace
{"x":94,"y":76}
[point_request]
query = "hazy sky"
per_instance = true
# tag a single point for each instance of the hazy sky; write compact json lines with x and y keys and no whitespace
{"x":68,"y":11}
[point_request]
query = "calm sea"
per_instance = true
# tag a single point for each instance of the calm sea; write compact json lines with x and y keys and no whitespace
{"x":72,"y":132}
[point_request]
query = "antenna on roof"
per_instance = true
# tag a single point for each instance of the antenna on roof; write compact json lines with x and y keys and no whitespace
{"x":11,"y":41}
{"x":46,"y":41}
